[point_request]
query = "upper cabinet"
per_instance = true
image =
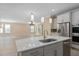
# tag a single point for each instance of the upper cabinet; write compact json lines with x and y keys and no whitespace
{"x":59,"y":19}
{"x":63,"y":17}
{"x":75,"y":17}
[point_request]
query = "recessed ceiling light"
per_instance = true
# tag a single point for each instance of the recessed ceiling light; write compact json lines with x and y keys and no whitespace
{"x":53,"y":10}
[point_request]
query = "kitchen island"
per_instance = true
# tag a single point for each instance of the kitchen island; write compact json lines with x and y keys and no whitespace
{"x":33,"y":47}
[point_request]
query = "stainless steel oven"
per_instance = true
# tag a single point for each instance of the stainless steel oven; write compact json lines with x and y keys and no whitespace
{"x":75,"y":39}
{"x":75,"y":34}
{"x":75,"y":29}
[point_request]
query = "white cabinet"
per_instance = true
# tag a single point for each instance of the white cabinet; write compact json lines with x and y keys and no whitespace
{"x":75,"y":18}
{"x":64,"y":17}
{"x":54,"y":50}
{"x":59,"y":19}
{"x":35,"y":52}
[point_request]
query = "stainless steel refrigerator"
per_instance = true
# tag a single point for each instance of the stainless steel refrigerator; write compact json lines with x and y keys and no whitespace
{"x":64,"y":29}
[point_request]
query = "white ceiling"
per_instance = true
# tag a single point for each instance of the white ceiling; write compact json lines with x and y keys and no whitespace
{"x":22,"y":11}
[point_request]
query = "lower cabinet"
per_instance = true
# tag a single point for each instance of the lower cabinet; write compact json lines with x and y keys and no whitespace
{"x":67,"y":48}
{"x":54,"y":50}
{"x":35,"y":52}
{"x":49,"y":50}
{"x":59,"y":51}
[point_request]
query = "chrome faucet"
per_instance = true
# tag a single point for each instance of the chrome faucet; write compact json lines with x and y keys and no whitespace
{"x":44,"y":35}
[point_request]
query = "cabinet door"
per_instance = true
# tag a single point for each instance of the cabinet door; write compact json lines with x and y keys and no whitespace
{"x":59,"y":19}
{"x":54,"y":49}
{"x":75,"y":18}
{"x":60,"y":51}
{"x":49,"y":50}
{"x":35,"y":52}
{"x":66,"y":48}
{"x":66,"y":17}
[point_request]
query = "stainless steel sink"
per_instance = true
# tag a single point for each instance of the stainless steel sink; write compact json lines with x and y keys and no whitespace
{"x":47,"y":40}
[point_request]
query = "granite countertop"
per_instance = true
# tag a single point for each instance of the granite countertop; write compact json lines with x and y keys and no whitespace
{"x":26,"y":44}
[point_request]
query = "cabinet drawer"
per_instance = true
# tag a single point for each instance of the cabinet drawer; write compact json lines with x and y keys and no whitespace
{"x":35,"y":52}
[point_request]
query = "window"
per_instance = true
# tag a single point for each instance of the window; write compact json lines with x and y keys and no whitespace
{"x":7,"y":28}
{"x":32,"y":28}
{"x":1,"y":28}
